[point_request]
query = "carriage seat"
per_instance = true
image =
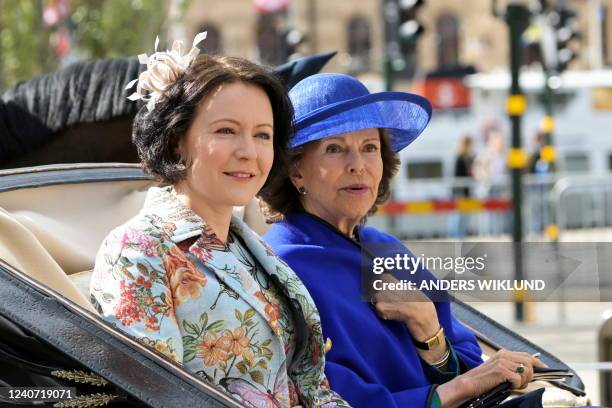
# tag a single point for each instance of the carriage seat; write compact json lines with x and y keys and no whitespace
{"x":53,"y":233}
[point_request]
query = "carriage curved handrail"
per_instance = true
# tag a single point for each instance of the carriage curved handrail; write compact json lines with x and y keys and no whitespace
{"x":42,"y":176}
{"x":65,"y":166}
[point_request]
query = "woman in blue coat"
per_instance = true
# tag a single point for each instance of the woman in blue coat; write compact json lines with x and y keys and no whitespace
{"x":386,"y":353}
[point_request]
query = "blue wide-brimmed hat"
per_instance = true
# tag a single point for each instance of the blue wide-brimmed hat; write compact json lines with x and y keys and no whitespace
{"x":331,"y":104}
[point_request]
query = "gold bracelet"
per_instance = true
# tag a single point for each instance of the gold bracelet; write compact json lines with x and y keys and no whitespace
{"x":431,"y":342}
{"x":444,"y":360}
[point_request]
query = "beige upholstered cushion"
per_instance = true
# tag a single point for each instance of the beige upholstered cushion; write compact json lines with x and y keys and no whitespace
{"x":71,"y":220}
{"x":81,"y":281}
{"x":22,"y":250}
{"x":50,"y":232}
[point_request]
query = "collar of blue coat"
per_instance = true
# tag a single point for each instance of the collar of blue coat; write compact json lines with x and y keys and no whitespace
{"x":165,"y":210}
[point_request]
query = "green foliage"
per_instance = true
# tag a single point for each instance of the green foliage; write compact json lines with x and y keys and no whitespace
{"x":117,"y":28}
{"x":24,"y":50}
{"x":102,"y":29}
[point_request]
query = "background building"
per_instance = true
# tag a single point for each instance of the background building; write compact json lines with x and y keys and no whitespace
{"x":456,"y":33}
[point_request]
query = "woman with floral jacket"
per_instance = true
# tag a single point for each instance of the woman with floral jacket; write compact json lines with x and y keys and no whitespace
{"x":186,"y":277}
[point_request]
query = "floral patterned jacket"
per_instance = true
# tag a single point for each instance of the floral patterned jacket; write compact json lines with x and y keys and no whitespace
{"x":198,"y":305}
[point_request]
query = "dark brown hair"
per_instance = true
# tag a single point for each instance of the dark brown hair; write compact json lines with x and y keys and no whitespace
{"x":282,"y":198}
{"x":156,"y":134}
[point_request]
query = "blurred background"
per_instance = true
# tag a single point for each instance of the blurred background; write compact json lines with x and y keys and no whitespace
{"x":457,"y":54}
{"x":519,"y":147}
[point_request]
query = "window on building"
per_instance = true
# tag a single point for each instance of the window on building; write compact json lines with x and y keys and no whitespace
{"x":268,"y":38}
{"x":447,"y":37}
{"x":576,"y":163}
{"x":424,"y":169}
{"x":610,"y":162}
{"x":212,"y":43}
{"x":359,"y":44}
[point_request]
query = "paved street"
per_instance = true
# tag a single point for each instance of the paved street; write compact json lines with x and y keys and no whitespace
{"x":569,"y":331}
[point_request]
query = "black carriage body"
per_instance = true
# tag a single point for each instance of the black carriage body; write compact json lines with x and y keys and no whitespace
{"x":87,"y":340}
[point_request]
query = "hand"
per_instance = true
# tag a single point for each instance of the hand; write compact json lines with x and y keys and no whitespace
{"x":411,"y":307}
{"x":498,"y":369}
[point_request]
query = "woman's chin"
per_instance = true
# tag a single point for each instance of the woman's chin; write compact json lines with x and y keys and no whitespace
{"x":356,"y":209}
{"x":355,"y":213}
{"x":240,"y":198}
{"x":241,"y":201}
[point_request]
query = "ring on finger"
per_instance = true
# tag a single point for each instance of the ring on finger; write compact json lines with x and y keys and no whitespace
{"x":372,"y":303}
{"x":520,"y":369}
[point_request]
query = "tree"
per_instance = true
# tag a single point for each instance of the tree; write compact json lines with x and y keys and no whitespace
{"x":24,"y":42}
{"x":109,"y":29}
{"x":98,"y":29}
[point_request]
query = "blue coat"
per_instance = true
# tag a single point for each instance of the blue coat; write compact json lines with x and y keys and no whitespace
{"x":372,"y":362}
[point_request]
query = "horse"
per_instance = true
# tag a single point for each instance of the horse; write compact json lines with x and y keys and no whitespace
{"x":81,"y":114}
